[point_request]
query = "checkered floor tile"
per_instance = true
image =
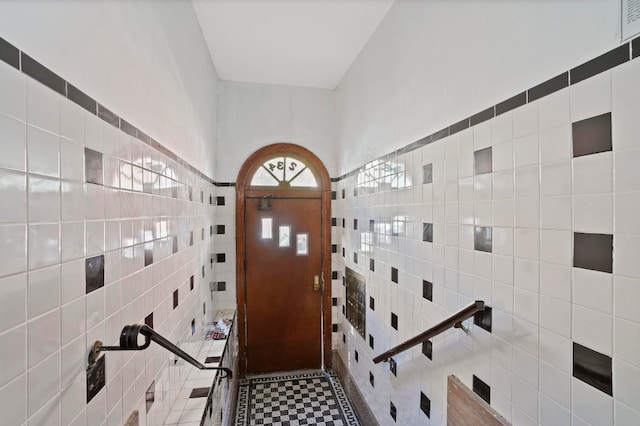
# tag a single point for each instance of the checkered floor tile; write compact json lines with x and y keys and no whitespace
{"x":302,"y":398}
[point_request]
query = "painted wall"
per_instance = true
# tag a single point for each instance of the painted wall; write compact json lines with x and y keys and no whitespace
{"x":430,"y":64}
{"x":254,"y":115}
{"x":415,"y":232}
{"x":145,"y":60}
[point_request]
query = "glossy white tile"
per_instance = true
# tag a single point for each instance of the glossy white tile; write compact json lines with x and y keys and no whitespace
{"x":12,"y":354}
{"x":43,"y":290}
{"x":44,"y":245}
{"x":43,"y":152}
{"x":43,"y":200}
{"x":14,"y":147}
{"x":44,"y":383}
{"x":13,"y":248}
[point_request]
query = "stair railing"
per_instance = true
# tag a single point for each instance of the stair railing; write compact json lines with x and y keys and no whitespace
{"x":455,"y":321}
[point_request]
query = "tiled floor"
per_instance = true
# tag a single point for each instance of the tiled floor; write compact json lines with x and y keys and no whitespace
{"x":192,"y":399}
{"x":308,"y":397}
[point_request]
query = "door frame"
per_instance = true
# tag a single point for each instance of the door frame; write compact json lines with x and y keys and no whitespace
{"x":243,"y":189}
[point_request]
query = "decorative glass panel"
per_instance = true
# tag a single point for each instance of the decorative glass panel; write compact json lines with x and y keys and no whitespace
{"x":284,"y":238}
{"x":302,"y":244}
{"x":284,"y":171}
{"x":267,"y":228}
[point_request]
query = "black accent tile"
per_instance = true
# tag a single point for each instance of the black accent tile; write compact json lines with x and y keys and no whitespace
{"x":334,"y":328}
{"x":427,"y":290}
{"x":220,"y":229}
{"x":483,"y":319}
{"x":128,"y":128}
{"x":202,"y":271}
{"x":343,"y":252}
{"x":482,"y":162}
{"x":108,"y":116}
{"x":482,"y":238}
{"x":175,"y":298}
{"x":592,"y":135}
{"x":344,"y":223}
{"x":394,"y":321}
{"x":344,"y":193}
{"x":427,"y":232}
{"x":593,"y":368}
{"x":355,"y":257}
{"x":78,"y":97}
{"x":204,"y":308}
{"x":604,"y":62}
{"x":393,"y":366}
{"x":190,"y":238}
{"x":372,"y":225}
{"x":193,"y":326}
{"x":334,"y":301}
{"x":355,"y":224}
{"x":202,"y":196}
{"x":425,"y":405}
{"x":427,"y":349}
{"x":593,"y":251}
{"x":210,"y":199}
{"x":372,"y":303}
{"x":440,"y":134}
{"x":371,"y":342}
{"x":333,"y":195}
{"x":148,"y":254}
{"x":371,"y":379}
{"x":148,"y":320}
{"x":93,"y":166}
{"x":44,"y":75}
{"x":334,"y":275}
{"x":548,"y":87}
{"x":94,"y":273}
{"x":334,"y":248}
{"x":150,"y":395}
{"x":459,"y":126}
{"x":201,"y":234}
{"x":174,"y":243}
{"x":96,"y":377}
{"x":344,"y":338}
{"x":355,"y":191}
{"x":199,"y":393}
{"x":146,"y":139}
{"x":511,"y":103}
{"x":357,"y":357}
{"x":392,"y":411}
{"x":220,"y":201}
{"x":394,"y":275}
{"x":427,"y":173}
{"x":211,"y":230}
{"x":222,"y":286}
{"x":482,"y":389}
{"x":334,"y":221}
{"x":482,"y":116}
{"x":9,"y":53}
{"x":635,"y":47}
{"x":372,"y":265}
{"x":212,"y":359}
{"x":191,"y":282}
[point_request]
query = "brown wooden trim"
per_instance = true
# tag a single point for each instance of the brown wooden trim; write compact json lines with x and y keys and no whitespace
{"x":465,"y":408}
{"x":243,"y":191}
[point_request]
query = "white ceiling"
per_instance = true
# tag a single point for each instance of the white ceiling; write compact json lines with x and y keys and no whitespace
{"x":308,"y":43}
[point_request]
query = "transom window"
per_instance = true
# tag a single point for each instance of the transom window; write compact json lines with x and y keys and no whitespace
{"x":284,"y":171}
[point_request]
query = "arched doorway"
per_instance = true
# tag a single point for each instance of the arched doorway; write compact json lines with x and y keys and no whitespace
{"x":283,"y":262}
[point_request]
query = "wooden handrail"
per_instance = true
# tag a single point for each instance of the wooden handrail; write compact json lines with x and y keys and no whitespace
{"x":454,"y":320}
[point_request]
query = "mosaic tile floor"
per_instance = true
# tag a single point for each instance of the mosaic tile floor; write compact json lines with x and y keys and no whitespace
{"x":295,"y":398}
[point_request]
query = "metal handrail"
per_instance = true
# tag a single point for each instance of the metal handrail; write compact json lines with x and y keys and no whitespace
{"x":455,"y":321}
{"x":129,"y":342}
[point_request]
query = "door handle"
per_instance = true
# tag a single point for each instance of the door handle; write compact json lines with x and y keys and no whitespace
{"x":316,"y":282}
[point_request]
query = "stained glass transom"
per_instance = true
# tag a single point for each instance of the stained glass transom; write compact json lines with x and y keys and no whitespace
{"x":284,"y":171}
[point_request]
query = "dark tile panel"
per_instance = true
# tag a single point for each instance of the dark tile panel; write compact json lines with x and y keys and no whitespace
{"x":199,"y":393}
{"x":604,"y":62}
{"x":355,"y":257}
{"x":482,"y":161}
{"x":392,"y":411}
{"x":511,"y":103}
{"x":372,"y":265}
{"x":108,"y":116}
{"x":483,"y":319}
{"x":333,"y":195}
{"x":427,"y":349}
{"x":175,"y":298}
{"x":482,"y":238}
{"x":371,"y":342}
{"x":220,"y":201}
{"x":93,"y":166}
{"x":44,"y":75}
{"x":441,"y":134}
{"x":222,"y":286}
{"x":144,"y":137}
{"x":94,"y":273}
{"x":425,"y":405}
{"x":191,"y":282}
{"x":482,"y":389}
{"x":394,"y":275}
{"x":150,"y":396}
{"x":427,"y":173}
{"x":355,"y":224}
{"x":592,"y":135}
{"x":371,"y":379}
{"x":9,"y":53}
{"x":220,"y":229}
{"x":357,"y":356}
{"x":212,"y":359}
{"x":427,"y":290}
{"x":393,"y":366}
{"x":129,"y":129}
{"x":334,"y":248}
{"x":394,"y":321}
{"x":334,"y":328}
{"x":80,"y":98}
{"x":372,"y":303}
{"x":593,"y":368}
{"x":334,"y":301}
{"x":96,"y":378}
{"x":635,"y":48}
{"x":148,"y":320}
{"x":459,"y":126}
{"x":148,"y":254}
{"x":175,"y":243}
{"x":482,"y":116}
{"x":334,"y":275}
{"x":548,"y":87}
{"x":593,"y":251}
{"x":427,"y":232}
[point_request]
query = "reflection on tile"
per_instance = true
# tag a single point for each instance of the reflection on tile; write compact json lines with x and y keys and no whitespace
{"x":593,"y":251}
{"x":592,"y":368}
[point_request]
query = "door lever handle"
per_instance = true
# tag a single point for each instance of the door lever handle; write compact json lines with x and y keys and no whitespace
{"x":316,"y":282}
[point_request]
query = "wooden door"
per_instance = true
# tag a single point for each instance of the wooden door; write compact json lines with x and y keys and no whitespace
{"x":283,"y":309}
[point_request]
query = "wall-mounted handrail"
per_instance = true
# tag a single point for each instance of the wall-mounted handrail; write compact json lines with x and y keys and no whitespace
{"x":129,"y":342}
{"x":455,"y":320}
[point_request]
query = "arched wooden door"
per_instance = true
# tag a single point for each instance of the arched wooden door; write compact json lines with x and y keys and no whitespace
{"x":283,"y":261}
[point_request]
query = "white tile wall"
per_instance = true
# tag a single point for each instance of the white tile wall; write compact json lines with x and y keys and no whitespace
{"x":51,"y":220}
{"x":535,"y":199}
